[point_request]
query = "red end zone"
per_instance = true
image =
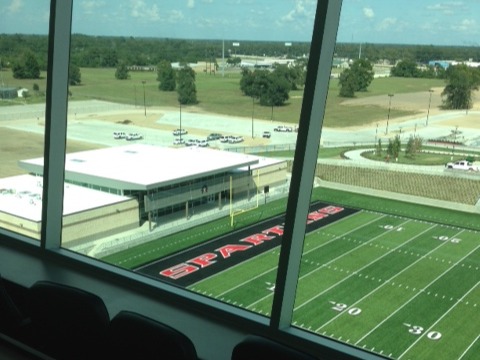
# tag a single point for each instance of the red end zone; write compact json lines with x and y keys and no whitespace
{"x":206,"y":259}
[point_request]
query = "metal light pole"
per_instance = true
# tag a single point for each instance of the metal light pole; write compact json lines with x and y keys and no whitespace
{"x":180,"y":121}
{"x":253,"y":110}
{"x":135,"y":90}
{"x":389,"y":107}
{"x":144,"y":103}
{"x":454,"y":141}
{"x":429,"y":103}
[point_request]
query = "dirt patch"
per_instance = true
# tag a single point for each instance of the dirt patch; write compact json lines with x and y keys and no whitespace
{"x":419,"y":102}
{"x":18,"y":145}
{"x":131,"y":118}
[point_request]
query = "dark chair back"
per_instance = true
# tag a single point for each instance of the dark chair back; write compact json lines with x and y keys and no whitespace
{"x":12,"y":320}
{"x":256,"y":347}
{"x":134,"y":336}
{"x":68,"y":322}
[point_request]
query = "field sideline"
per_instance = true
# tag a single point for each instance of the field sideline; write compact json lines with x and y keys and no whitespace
{"x":385,"y":283}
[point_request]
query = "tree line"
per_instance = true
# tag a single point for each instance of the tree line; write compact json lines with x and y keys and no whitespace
{"x":110,"y":51}
{"x":460,"y":80}
{"x":268,"y":87}
{"x":26,"y":55}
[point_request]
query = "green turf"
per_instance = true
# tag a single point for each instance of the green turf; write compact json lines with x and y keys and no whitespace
{"x":139,"y":255}
{"x":385,"y":283}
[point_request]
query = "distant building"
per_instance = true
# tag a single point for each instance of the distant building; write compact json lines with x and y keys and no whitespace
{"x":340,"y":63}
{"x":446,"y":63}
{"x":142,"y":68}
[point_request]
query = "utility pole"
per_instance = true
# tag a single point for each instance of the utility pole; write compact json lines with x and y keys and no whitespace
{"x":388,"y":115}
{"x":429,"y":102}
{"x":144,"y":102}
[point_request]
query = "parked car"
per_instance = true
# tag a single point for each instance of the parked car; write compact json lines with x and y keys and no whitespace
{"x":266,"y":134}
{"x":134,"y":136}
{"x":283,"y":128}
{"x":119,"y":135}
{"x":214,"y":136}
{"x":191,"y":142}
{"x":177,"y":132}
{"x":202,"y":143}
{"x":235,"y":139}
{"x":224,"y":139}
{"x":179,"y":141}
{"x":461,"y":165}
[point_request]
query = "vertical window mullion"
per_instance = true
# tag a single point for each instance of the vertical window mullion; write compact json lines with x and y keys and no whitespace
{"x":56,"y":121}
{"x":305,"y":160}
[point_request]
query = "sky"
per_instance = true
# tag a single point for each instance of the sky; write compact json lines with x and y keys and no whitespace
{"x":452,"y":22}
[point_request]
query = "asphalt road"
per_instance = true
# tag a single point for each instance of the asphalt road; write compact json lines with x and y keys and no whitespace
{"x":85,"y":125}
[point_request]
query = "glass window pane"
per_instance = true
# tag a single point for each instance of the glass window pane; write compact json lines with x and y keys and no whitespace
{"x":23,"y":65}
{"x":184,"y":120}
{"x":391,"y":255}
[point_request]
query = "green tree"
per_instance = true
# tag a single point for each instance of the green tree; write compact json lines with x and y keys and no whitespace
{"x":234,"y":61}
{"x":275,"y":93}
{"x":122,"y":72}
{"x":26,"y":67}
{"x":254,"y":83}
{"x":271,"y":88}
{"x":166,"y":76}
{"x":414,"y":146}
{"x":394,"y":147}
{"x":186,"y":89}
{"x":357,"y":78}
{"x":461,"y":81}
{"x":291,"y":74}
{"x":300,"y":67}
{"x":346,"y":81}
{"x":363,"y":71}
{"x":378,"y":148}
{"x":74,"y":75}
{"x":405,"y":68}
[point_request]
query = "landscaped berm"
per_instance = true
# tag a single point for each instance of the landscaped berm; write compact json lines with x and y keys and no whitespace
{"x":439,"y":187}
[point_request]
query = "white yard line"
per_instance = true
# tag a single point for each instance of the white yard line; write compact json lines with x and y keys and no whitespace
{"x":413,"y":297}
{"x":469,"y":347}
{"x":356,"y":271}
{"x":388,"y":280}
{"x":439,"y":319}
{"x":336,"y":238}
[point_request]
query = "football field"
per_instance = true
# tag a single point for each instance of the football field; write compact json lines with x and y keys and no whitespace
{"x":396,"y":286}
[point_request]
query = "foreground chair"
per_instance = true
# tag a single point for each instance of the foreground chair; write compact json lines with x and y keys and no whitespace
{"x":134,"y":336}
{"x":68,"y":323}
{"x":12,"y":320}
{"x":256,"y":347}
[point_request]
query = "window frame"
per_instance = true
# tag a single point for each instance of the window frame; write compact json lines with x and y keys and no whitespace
{"x":313,"y":107}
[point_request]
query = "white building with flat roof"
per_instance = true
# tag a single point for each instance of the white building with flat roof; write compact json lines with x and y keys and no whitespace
{"x":87,"y":213}
{"x":166,"y":180}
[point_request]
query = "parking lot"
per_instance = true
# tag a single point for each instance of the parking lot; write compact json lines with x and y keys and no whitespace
{"x":96,"y":122}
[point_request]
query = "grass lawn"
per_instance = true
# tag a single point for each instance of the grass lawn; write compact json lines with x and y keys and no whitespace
{"x":222,"y":95}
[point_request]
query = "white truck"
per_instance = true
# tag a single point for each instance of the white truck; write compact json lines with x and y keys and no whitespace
{"x":461,"y":165}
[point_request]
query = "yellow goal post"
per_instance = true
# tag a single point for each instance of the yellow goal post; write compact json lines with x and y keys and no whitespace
{"x":248,"y":207}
